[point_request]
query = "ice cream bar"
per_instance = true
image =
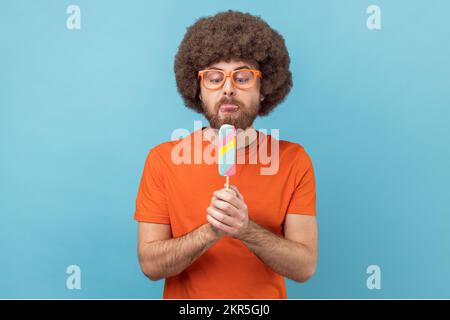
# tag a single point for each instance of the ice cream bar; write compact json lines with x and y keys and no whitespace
{"x":227,"y":151}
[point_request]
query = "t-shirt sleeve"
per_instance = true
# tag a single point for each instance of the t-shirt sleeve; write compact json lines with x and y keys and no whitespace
{"x":303,"y":200}
{"x":151,"y":201}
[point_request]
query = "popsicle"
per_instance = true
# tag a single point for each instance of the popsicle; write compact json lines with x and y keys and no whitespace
{"x":227,"y":151}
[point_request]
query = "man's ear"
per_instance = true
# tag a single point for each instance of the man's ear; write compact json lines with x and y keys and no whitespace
{"x":200,"y":97}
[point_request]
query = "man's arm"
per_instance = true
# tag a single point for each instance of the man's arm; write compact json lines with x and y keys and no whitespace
{"x":161,"y":256}
{"x":294,"y":256}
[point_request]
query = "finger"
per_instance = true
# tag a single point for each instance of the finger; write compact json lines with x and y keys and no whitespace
{"x":219,"y":225}
{"x":227,"y":207}
{"x":229,"y":197}
{"x":222,"y":217}
{"x":220,"y":204}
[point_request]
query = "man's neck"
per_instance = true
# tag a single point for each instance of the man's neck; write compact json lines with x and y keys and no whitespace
{"x":211,"y":135}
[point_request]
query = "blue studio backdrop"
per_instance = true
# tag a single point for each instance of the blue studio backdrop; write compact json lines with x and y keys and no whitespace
{"x":81,"y":106}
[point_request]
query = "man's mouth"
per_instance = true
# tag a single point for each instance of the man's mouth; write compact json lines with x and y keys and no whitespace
{"x":228,"y":108}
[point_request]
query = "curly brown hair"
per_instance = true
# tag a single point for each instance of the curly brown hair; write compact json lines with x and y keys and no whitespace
{"x":233,"y":35}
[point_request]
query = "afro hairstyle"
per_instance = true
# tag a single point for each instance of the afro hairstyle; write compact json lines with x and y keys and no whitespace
{"x":233,"y":35}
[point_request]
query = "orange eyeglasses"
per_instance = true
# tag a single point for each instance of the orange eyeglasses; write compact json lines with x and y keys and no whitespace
{"x":242,"y":78}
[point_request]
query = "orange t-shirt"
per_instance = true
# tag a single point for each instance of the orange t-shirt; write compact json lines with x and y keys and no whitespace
{"x":178,"y":194}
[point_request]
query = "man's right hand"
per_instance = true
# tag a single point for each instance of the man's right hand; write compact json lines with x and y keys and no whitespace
{"x":217,"y":232}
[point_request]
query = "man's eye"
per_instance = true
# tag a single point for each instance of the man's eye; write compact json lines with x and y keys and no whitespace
{"x":242,"y":80}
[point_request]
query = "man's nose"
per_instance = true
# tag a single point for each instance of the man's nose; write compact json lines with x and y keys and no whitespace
{"x":228,"y":88}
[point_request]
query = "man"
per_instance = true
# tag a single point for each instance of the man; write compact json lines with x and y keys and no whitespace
{"x":208,"y":241}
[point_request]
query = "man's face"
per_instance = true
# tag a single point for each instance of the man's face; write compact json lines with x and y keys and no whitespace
{"x":230,"y":104}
